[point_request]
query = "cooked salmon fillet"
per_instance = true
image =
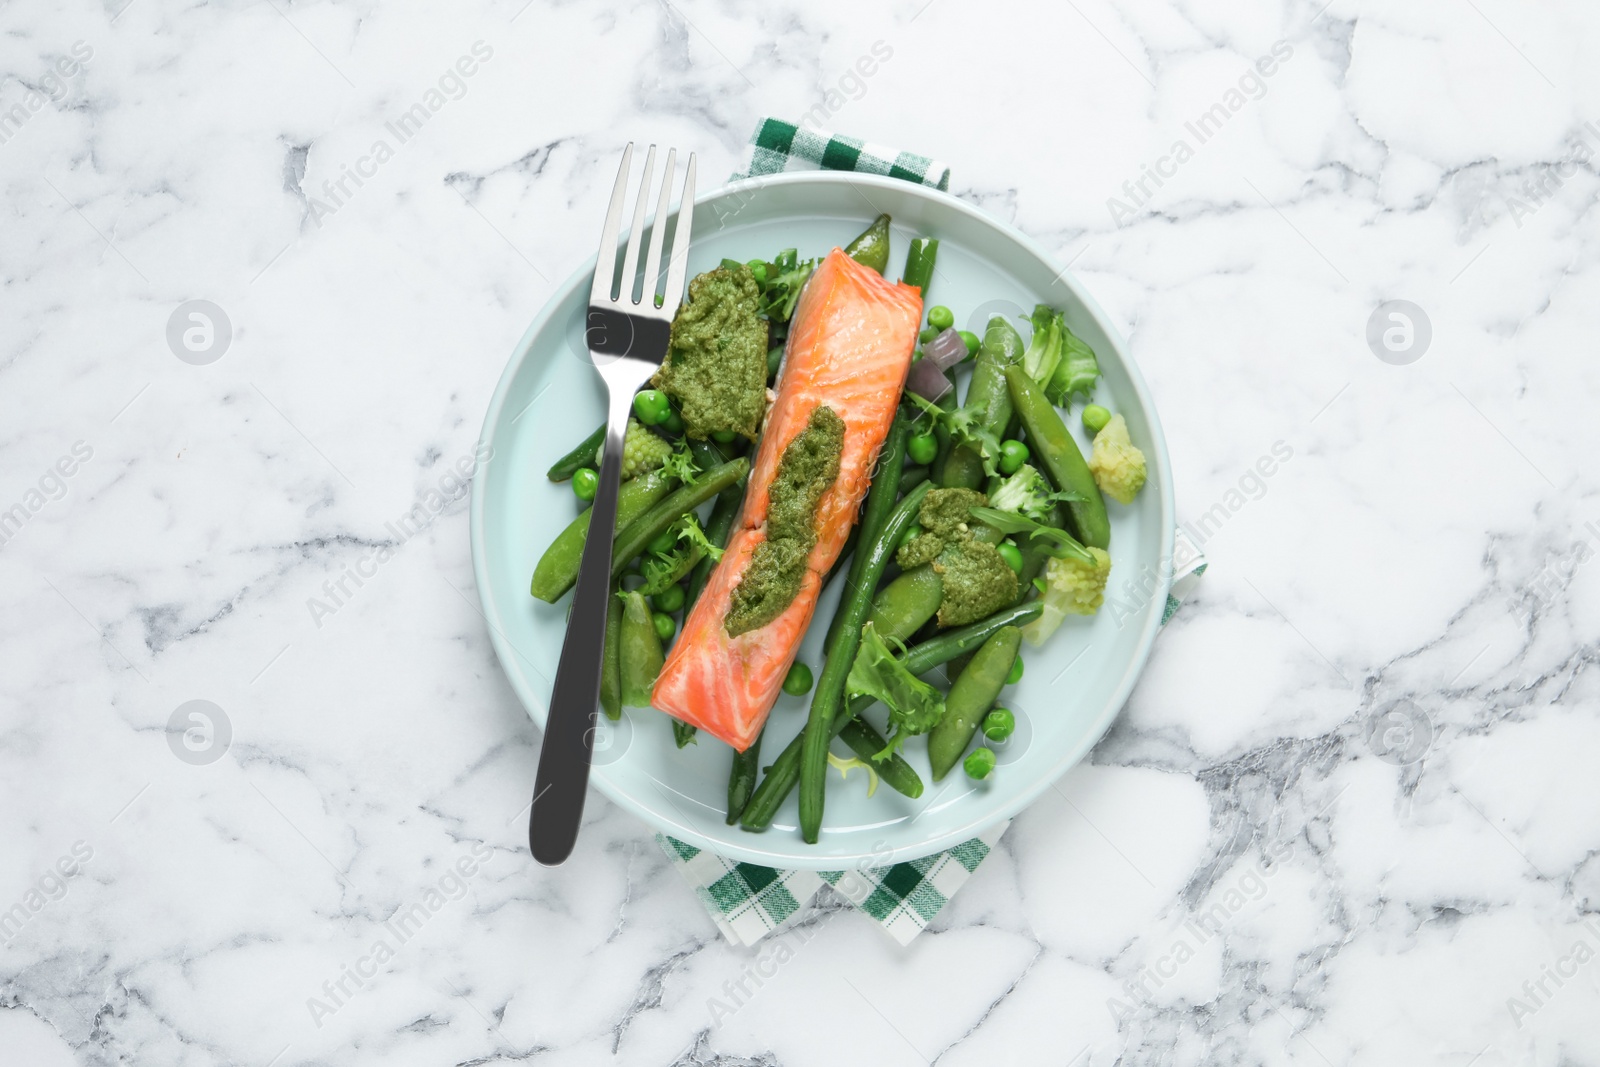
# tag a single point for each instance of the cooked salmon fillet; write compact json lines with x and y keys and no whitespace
{"x":850,"y":345}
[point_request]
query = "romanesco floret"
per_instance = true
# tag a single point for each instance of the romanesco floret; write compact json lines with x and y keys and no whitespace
{"x":642,"y":451}
{"x":1118,"y":467}
{"x":1071,"y":587}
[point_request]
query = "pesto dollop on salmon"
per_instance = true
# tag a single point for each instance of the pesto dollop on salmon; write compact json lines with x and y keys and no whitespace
{"x":716,"y":365}
{"x":777,"y":567}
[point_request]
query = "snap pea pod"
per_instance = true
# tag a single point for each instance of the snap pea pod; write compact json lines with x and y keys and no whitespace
{"x":638,"y":534}
{"x":742,"y":777}
{"x":871,"y":246}
{"x":1058,"y":453}
{"x":988,"y":402}
{"x":587,"y":454}
{"x":557,"y":569}
{"x":611,"y":659}
{"x":871,"y":558}
{"x":902,"y":606}
{"x":970,"y":699}
{"x":920,"y":658}
{"x":641,"y":651}
{"x":866,"y":743}
{"x":920,"y":258}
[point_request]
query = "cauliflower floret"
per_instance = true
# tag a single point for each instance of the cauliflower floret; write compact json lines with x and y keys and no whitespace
{"x":1072,"y":587}
{"x":1118,"y":467}
{"x":642,"y":451}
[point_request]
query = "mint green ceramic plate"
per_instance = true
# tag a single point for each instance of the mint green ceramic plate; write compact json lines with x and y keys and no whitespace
{"x":550,"y":398}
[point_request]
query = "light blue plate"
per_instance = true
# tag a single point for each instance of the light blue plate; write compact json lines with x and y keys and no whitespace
{"x":550,"y":398}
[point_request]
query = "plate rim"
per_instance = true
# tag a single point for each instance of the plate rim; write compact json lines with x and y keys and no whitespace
{"x":655,"y":818}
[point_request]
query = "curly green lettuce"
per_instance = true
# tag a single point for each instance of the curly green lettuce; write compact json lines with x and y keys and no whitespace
{"x":915,"y":707}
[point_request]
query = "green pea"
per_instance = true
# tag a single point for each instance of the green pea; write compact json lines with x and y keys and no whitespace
{"x":669,"y":599}
{"x":663,"y":541}
{"x":1011,"y":554}
{"x":723,"y":437}
{"x":920,"y":450}
{"x":759,"y":269}
{"x":979,"y":763}
{"x":1095,"y":418}
{"x":584,"y":482}
{"x":1016,"y":671}
{"x":797,"y":683}
{"x":651,"y":406}
{"x":999,"y":724}
{"x":927,"y":335}
{"x":913,"y":532}
{"x":673,"y":423}
{"x":1013,"y":454}
{"x":664,"y":625}
{"x":941,"y":317}
{"x":972,"y":342}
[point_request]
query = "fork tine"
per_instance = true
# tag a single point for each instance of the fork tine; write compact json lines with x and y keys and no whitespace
{"x":658,"y":230}
{"x":605,"y":264}
{"x":630,"y":262}
{"x":680,"y":243}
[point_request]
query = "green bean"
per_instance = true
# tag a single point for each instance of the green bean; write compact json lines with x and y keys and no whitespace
{"x":887,"y":482}
{"x":866,"y":743}
{"x":742,"y":777}
{"x":902,"y":606}
{"x":971,"y":697}
{"x":941,"y":434}
{"x":921,"y":658}
{"x":641,"y":652}
{"x":557,"y":569}
{"x":871,"y":558}
{"x":988,"y":401}
{"x":1059,"y":456}
{"x":587,"y":454}
{"x":647,"y":527}
{"x":611,"y":659}
{"x":920,"y":258}
{"x":871,"y":246}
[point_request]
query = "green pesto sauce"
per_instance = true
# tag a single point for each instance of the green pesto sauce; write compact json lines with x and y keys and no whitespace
{"x":777,"y":567}
{"x":977,"y":582}
{"x":716,"y":364}
{"x":976,"y":579}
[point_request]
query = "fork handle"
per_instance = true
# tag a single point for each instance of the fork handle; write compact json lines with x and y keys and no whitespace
{"x":569,"y":728}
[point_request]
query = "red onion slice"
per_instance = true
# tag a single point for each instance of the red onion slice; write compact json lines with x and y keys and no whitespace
{"x":927,"y":380}
{"x":946,"y":350}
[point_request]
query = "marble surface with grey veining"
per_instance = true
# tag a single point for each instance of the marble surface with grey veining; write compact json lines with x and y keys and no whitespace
{"x":1349,"y":816}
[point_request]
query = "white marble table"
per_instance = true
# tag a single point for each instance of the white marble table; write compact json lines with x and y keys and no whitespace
{"x":1258,"y":865}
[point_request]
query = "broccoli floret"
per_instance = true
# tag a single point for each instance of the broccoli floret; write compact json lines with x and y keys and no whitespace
{"x":1025,"y":493}
{"x":1118,"y":467}
{"x":977,"y":581}
{"x":1071,"y":587}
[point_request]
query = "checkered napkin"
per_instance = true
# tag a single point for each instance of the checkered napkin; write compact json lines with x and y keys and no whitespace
{"x":748,"y":901}
{"x":778,"y":146}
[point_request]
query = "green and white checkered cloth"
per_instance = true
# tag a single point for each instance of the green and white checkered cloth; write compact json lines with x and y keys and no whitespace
{"x":779,"y":146}
{"x":748,"y":901}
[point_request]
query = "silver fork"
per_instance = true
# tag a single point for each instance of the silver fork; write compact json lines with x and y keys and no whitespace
{"x":627,"y":339}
